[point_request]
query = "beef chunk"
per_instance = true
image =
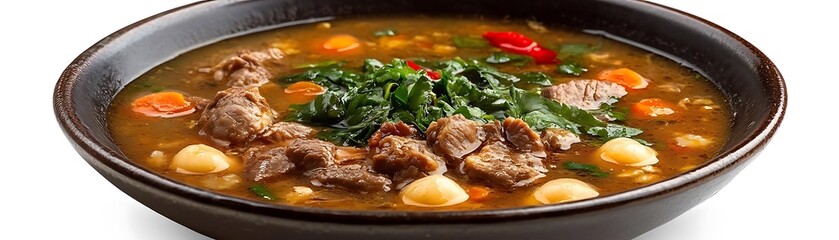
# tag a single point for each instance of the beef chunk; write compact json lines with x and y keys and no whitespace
{"x":406,"y":159}
{"x":585,"y":94}
{"x":455,"y":137}
{"x":285,"y":131}
{"x":236,"y":116}
{"x":519,"y":134}
{"x":498,"y":165}
{"x":556,"y":140}
{"x":389,"y":128}
{"x":311,"y":153}
{"x":246,"y":69}
{"x":353,"y":177}
{"x":265,"y":163}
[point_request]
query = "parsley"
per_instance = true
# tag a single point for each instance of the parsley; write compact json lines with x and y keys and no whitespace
{"x":515,"y":59}
{"x":571,"y":68}
{"x":262,"y":192}
{"x":587,"y":169}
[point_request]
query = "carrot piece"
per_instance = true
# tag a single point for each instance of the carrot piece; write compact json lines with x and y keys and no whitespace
{"x":624,"y":77}
{"x":653,"y":107}
{"x":163,"y":104}
{"x":341,"y":43}
{"x":303,"y":91}
{"x":478,"y":194}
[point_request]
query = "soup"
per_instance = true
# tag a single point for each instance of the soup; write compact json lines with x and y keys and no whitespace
{"x":419,"y":113}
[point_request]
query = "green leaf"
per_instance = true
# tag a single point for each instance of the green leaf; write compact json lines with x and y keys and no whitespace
{"x":612,"y":131}
{"x":385,"y":32}
{"x":569,"y":52}
{"x":571,"y":68}
{"x":536,"y":78}
{"x":588,"y":169}
{"x":611,"y":112}
{"x":469,"y":42}
{"x":502,"y":57}
{"x":263,"y":192}
{"x":323,"y":64}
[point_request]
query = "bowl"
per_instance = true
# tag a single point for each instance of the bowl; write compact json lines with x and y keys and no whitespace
{"x":749,"y":80}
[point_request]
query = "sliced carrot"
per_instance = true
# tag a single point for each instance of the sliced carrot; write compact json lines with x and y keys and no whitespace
{"x":303,"y":91}
{"x":341,"y":43}
{"x":163,"y":104}
{"x":478,"y":194}
{"x":653,"y":107}
{"x":624,"y":77}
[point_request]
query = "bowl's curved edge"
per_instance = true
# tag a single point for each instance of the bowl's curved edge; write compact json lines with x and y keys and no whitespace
{"x":80,"y":137}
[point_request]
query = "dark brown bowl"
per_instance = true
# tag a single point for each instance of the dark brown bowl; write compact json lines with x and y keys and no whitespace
{"x":752,"y":84}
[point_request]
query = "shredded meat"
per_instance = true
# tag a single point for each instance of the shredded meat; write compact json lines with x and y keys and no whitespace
{"x":236,"y":116}
{"x":455,"y":137}
{"x":246,"y":69}
{"x":498,"y":165}
{"x":519,"y":134}
{"x":406,"y":159}
{"x":264,"y":163}
{"x":556,"y":140}
{"x":585,"y":94}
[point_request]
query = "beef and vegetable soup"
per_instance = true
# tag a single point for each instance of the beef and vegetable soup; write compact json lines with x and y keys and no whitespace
{"x":419,"y":113}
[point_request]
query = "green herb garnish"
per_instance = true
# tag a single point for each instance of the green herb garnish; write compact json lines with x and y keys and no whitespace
{"x":588,"y":169}
{"x":469,"y":42}
{"x":571,"y":68}
{"x":502,"y":57}
{"x":358,"y":102}
{"x":262,"y":192}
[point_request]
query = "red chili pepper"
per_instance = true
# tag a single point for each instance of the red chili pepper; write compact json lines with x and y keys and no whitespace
{"x":431,"y":74}
{"x":520,"y":44}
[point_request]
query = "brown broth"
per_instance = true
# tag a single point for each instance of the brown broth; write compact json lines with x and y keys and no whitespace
{"x":138,"y":136}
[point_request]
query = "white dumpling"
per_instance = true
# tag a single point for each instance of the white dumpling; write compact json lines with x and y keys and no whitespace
{"x":627,"y":152}
{"x":564,"y":190}
{"x":200,"y":159}
{"x":433,"y":191}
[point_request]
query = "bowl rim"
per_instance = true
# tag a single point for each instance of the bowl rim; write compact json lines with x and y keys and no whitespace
{"x":724,"y":161}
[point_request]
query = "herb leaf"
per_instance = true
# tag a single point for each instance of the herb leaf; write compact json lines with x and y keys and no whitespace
{"x":263,"y":192}
{"x":612,"y":131}
{"x":469,"y":42}
{"x":571,"y":68}
{"x":502,"y":57}
{"x":583,"y":168}
{"x":536,"y":78}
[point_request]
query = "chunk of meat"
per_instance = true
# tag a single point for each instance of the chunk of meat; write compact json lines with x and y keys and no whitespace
{"x":519,"y":134}
{"x":389,"y":128}
{"x":236,"y":116}
{"x":311,"y":153}
{"x":496,"y":164}
{"x":246,"y":69}
{"x":286,"y":131}
{"x":556,"y":139}
{"x":266,"y":163}
{"x":455,"y":137}
{"x":353,"y":177}
{"x":585,"y":94}
{"x":409,"y":159}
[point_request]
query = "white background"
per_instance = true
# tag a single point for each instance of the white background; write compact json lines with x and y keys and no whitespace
{"x":47,"y":191}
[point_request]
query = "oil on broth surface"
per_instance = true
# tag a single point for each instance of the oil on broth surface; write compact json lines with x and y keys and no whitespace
{"x":423,"y":38}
